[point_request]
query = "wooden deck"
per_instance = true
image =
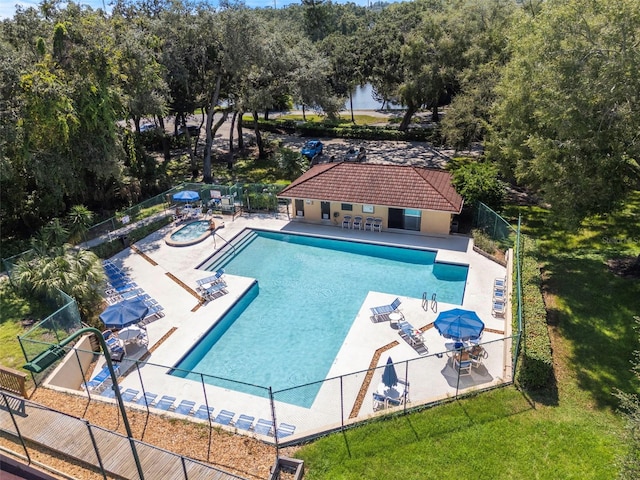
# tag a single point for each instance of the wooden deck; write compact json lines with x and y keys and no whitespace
{"x":80,"y":440}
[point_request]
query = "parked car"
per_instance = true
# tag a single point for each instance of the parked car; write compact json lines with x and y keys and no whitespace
{"x":147,"y":127}
{"x":194,"y":131}
{"x":354,"y":155}
{"x":312,"y":148}
{"x":351,"y":155}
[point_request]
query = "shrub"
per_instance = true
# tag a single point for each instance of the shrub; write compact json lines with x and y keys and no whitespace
{"x":364,"y":132}
{"x":535,"y":368}
{"x":484,"y":242}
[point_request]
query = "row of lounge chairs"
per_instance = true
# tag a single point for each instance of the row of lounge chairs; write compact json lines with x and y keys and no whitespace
{"x":188,"y":408}
{"x":121,"y":287}
{"x":499,"y":299}
{"x":356,"y":223}
{"x":102,"y":380}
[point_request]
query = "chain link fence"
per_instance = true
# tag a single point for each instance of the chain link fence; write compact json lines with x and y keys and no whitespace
{"x":290,"y":415}
{"x":496,"y":227}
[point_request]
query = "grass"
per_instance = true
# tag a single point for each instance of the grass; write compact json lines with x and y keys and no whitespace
{"x":501,"y":434}
{"x":570,"y":430}
{"x":12,"y":310}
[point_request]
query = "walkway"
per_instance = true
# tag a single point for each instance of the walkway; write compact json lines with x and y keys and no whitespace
{"x":101,"y":448}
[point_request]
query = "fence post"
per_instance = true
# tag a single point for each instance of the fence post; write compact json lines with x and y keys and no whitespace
{"x":15,"y":424}
{"x":184,"y":468}
{"x":341,"y":403}
{"x":95,"y":448}
{"x":406,"y":379}
{"x":206,"y":402}
{"x":273,"y":416}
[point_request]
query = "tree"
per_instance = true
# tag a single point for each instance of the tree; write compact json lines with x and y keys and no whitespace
{"x":79,"y":219}
{"x":309,"y":87}
{"x":485,"y":25}
{"x":57,"y":265}
{"x":568,"y":113}
{"x":382,"y":43}
{"x":630,"y":407}
{"x":143,"y":85}
{"x":479,"y":182}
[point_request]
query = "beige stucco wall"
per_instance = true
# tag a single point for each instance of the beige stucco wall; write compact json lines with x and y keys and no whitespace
{"x":68,"y":373}
{"x":432,"y":222}
{"x":311,"y":210}
{"x":435,"y":222}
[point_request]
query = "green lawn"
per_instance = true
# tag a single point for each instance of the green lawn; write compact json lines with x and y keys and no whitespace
{"x":571,"y":430}
{"x":13,"y":310}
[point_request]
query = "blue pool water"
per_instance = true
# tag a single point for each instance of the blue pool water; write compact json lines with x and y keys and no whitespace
{"x":191,"y":231}
{"x":290,"y":326}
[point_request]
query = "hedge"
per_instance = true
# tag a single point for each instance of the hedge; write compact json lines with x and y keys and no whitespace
{"x":364,"y":132}
{"x":535,"y":368}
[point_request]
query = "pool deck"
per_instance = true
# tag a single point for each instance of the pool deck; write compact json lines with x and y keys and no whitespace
{"x":169,"y":275}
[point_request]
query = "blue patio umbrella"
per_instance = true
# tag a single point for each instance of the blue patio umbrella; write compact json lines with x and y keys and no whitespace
{"x":459,"y":324}
{"x":124,"y":313}
{"x":186,"y":196}
{"x":389,"y":376}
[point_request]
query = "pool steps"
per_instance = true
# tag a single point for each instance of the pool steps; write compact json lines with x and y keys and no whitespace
{"x":230,"y":249}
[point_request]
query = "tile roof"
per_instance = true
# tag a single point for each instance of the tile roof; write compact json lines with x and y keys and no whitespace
{"x":374,"y":184}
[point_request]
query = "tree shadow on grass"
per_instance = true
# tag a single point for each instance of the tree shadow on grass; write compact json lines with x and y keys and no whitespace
{"x":596,"y":317}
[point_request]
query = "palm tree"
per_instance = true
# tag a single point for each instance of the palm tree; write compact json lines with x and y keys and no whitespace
{"x":75,"y":271}
{"x":78,"y":220}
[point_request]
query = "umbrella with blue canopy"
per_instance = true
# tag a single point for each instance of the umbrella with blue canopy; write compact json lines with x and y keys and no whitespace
{"x":458,"y":324}
{"x":389,"y":376}
{"x":124,"y":313}
{"x":186,"y":196}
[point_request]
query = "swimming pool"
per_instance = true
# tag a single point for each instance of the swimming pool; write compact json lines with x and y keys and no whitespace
{"x":287,"y":330}
{"x":189,"y":234}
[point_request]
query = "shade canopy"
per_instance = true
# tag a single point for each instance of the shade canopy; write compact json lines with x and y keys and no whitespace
{"x":389,"y":376}
{"x":186,"y":196}
{"x":124,"y":313}
{"x":458,"y":324}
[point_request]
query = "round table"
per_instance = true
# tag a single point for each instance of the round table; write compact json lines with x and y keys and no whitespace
{"x":395,"y":317}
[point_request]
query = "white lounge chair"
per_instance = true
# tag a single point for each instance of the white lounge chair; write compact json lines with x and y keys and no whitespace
{"x":498,"y":309}
{"x":385,"y":309}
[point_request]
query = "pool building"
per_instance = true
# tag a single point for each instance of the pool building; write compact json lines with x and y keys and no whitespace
{"x":401,"y":197}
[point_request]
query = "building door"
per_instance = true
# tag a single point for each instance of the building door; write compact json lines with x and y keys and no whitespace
{"x":396,"y":218}
{"x":325,"y":210}
{"x":405,"y":219}
{"x":299,"y":207}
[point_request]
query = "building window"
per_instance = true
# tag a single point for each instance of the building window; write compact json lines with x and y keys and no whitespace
{"x":346,"y":206}
{"x":367,"y":208}
{"x":412,"y":219}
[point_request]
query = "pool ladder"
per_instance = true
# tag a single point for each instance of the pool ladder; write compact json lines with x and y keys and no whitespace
{"x":425,"y":302}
